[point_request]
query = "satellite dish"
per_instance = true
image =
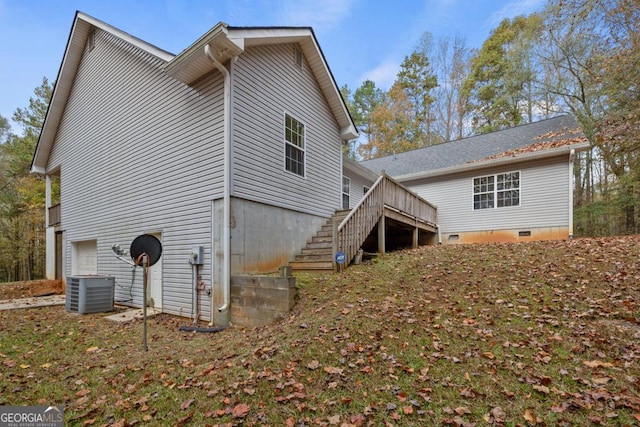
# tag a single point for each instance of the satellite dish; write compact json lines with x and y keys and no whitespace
{"x":146,"y":244}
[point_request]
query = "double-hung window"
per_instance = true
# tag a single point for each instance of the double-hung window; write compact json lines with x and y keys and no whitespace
{"x":346,"y":190}
{"x":293,"y":145}
{"x":500,"y":190}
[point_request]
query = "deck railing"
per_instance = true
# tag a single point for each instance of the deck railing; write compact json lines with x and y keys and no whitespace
{"x":352,"y":231}
{"x":54,"y":215}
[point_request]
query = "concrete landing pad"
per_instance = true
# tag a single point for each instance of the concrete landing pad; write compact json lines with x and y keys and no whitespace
{"x":131,"y":315}
{"x":12,"y":304}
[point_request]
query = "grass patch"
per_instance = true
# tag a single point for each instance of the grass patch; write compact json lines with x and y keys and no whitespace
{"x":502,"y":334}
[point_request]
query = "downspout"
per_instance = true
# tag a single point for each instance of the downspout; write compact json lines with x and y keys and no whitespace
{"x":572,"y":155}
{"x":226,"y":231}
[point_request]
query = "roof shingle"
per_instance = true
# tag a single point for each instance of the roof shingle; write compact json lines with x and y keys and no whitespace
{"x":540,"y":135}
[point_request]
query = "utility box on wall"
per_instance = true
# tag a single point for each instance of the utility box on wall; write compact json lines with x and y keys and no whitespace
{"x":196,"y":257}
{"x":89,"y":294}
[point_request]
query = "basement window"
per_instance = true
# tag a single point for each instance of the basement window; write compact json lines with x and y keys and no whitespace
{"x":524,"y":233}
{"x":496,"y":191}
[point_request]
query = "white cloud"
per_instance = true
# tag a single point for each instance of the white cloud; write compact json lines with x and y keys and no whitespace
{"x":383,"y":75}
{"x":321,"y":15}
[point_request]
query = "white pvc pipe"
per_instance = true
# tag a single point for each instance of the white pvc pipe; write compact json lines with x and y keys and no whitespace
{"x":226,"y":233}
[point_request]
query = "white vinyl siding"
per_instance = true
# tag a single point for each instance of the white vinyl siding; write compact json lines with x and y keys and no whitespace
{"x":140,"y":152}
{"x":266,"y":83}
{"x":544,"y":200}
{"x":357,"y":187}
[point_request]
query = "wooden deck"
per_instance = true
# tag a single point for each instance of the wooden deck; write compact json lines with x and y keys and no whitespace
{"x":386,"y":199}
{"x":346,"y":231}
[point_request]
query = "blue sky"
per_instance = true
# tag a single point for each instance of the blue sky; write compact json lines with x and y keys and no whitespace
{"x":361,"y":39}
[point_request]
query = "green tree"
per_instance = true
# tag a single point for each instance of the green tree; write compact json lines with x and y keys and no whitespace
{"x":500,"y":84}
{"x":393,"y":120}
{"x":22,"y":195}
{"x":417,"y":80}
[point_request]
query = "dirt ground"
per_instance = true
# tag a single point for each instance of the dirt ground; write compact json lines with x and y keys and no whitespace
{"x":33,"y":288}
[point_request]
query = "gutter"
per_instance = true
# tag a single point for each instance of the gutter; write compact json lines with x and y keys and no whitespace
{"x":226,"y":233}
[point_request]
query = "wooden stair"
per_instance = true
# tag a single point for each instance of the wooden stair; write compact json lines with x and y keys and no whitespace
{"x":317,"y":255}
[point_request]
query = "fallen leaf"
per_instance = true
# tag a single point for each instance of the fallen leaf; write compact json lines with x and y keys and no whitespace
{"x":92,"y":349}
{"x":333,"y":370}
{"x":498,"y":414}
{"x":314,"y":364}
{"x":597,"y":364}
{"x":462,"y":410}
{"x":240,"y":411}
{"x":601,"y":380}
{"x":334,"y":420}
{"x":541,"y":388}
{"x":529,"y":416}
{"x":186,"y":404}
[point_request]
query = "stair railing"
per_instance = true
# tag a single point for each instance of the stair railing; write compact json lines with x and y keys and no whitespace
{"x":352,"y":231}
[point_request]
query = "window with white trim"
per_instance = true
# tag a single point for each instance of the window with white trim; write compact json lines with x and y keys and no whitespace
{"x":496,"y":191}
{"x":346,"y":186}
{"x":293,"y":145}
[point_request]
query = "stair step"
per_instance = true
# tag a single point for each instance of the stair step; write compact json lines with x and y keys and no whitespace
{"x":311,"y":266}
{"x":317,"y":251}
{"x":314,"y":257}
{"x":317,"y":255}
{"x":320,"y":245}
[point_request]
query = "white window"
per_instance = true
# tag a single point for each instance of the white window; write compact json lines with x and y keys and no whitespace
{"x":346,"y":184}
{"x":293,"y":145}
{"x":500,"y":190}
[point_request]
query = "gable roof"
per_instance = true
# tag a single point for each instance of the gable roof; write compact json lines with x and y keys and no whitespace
{"x":534,"y":140}
{"x":191,"y":64}
{"x":226,"y":42}
{"x":82,"y":27}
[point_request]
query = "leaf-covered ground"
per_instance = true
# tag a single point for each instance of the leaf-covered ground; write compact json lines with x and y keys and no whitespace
{"x":543,"y":334}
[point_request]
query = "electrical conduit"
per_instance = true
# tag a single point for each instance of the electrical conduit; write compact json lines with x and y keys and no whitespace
{"x":226,"y":240}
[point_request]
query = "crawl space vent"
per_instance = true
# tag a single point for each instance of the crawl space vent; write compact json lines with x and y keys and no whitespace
{"x":89,"y":294}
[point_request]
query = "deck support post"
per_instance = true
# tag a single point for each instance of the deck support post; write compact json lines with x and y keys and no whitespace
{"x":414,"y":243}
{"x":381,"y":234}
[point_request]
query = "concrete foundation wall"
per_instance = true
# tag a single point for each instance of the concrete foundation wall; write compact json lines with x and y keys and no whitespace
{"x":519,"y":235}
{"x":260,"y":300}
{"x":264,"y":237}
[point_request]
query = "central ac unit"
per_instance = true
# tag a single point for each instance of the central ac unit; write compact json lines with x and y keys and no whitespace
{"x":89,"y":294}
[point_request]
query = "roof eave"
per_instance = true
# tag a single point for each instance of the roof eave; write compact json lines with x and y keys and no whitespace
{"x":358,"y":169}
{"x":501,"y":161}
{"x":192,"y":63}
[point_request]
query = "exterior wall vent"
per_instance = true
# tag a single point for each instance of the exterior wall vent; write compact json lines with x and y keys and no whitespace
{"x":89,"y":294}
{"x":524,"y":233}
